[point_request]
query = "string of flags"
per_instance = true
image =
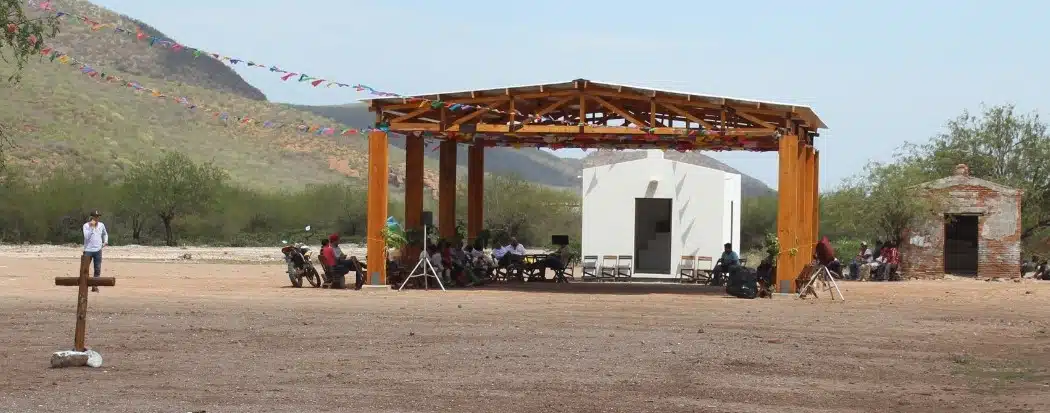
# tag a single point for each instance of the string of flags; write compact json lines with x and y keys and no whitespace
{"x":54,"y":55}
{"x":552,"y":141}
{"x":285,"y":75}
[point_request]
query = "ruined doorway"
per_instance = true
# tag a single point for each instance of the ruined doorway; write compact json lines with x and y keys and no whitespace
{"x":960,"y":244}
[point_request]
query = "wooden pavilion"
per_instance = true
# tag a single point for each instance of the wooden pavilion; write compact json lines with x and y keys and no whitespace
{"x":588,"y":114}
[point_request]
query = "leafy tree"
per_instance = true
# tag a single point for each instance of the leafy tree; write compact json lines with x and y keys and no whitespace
{"x":175,"y":186}
{"x":21,"y":37}
{"x":881,"y":201}
{"x":758,"y":217}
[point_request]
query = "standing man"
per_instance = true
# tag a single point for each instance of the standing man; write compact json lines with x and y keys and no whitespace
{"x":95,"y":238}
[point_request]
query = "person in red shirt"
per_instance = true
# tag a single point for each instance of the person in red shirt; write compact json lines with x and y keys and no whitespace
{"x":327,"y":254}
{"x":890,"y":259}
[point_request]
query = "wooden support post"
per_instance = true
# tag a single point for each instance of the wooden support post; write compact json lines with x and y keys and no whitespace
{"x":805,"y":201}
{"x":414,"y":148}
{"x":82,"y":281}
{"x":378,"y":180}
{"x":787,"y":215}
{"x":475,"y":191}
{"x":447,"y":190}
{"x":816,"y":192}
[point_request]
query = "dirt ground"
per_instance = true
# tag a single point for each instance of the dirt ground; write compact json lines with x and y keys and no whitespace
{"x":221,"y":337}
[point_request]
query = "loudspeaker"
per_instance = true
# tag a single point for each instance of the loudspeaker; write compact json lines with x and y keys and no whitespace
{"x":559,"y":240}
{"x":427,"y":219}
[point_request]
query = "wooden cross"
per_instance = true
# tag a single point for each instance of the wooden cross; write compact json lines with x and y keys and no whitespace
{"x":83,"y":281}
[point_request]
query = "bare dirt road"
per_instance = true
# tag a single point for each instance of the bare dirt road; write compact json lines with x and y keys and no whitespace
{"x":192,"y":336}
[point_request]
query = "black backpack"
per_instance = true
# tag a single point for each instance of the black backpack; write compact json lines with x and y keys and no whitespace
{"x":742,"y":283}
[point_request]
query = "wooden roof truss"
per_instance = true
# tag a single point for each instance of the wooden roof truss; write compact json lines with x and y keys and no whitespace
{"x":593,"y":115}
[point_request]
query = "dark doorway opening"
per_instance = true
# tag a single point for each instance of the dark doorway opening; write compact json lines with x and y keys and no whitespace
{"x":960,"y":244}
{"x":652,"y":235}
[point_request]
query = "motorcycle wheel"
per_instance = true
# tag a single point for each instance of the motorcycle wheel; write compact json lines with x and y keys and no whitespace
{"x":297,"y":282}
{"x":312,"y":276}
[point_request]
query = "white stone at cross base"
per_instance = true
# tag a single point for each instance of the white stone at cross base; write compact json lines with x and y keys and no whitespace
{"x":70,"y":358}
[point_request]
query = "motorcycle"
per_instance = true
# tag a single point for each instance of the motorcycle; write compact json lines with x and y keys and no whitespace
{"x":300,"y":266}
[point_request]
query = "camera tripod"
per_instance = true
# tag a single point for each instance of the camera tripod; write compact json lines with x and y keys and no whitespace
{"x":426,"y":270}
{"x":824,"y":275}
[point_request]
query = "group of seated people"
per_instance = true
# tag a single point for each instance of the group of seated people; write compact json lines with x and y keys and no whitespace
{"x":1039,"y":269}
{"x":469,"y":265}
{"x":883,"y":264}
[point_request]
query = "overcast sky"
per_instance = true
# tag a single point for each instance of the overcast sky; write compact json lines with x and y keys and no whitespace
{"x":879,"y":73}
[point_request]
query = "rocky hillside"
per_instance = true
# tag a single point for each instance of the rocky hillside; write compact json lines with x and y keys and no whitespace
{"x":123,"y":53}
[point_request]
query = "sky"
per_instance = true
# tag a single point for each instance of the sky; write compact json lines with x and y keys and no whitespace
{"x":879,"y":73}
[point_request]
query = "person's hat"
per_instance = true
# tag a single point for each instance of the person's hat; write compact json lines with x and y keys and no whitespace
{"x":333,"y":238}
{"x":864,"y":243}
{"x":96,"y":214}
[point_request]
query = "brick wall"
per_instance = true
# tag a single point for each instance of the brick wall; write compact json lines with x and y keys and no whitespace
{"x":999,"y":229}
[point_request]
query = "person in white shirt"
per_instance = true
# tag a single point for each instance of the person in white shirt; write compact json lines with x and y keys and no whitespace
{"x":95,"y":238}
{"x":516,"y":248}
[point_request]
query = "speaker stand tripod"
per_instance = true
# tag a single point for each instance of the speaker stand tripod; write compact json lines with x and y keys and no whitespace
{"x":426,"y":270}
{"x":823,"y":274}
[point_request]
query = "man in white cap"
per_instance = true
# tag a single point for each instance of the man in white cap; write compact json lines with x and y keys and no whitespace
{"x":95,"y":238}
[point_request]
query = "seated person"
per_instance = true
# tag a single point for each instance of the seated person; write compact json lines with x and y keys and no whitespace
{"x":326,"y":265}
{"x":511,"y":253}
{"x":499,"y":253}
{"x":1042,"y":270}
{"x":825,"y":255}
{"x":482,"y":261}
{"x":1029,"y":266}
{"x":514,"y":256}
{"x":556,"y":261}
{"x":340,"y":265}
{"x":765,"y":272}
{"x":726,"y":263}
{"x":889,"y":261}
{"x":864,"y":256}
{"x":437,"y":261}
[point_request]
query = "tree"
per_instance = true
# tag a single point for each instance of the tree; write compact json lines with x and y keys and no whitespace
{"x":758,"y":217}
{"x":881,"y":201}
{"x":527,"y":211}
{"x":21,"y":37}
{"x":175,"y":186}
{"x":1000,"y":146}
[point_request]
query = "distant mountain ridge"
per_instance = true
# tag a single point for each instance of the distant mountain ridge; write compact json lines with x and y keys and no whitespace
{"x":112,"y":128}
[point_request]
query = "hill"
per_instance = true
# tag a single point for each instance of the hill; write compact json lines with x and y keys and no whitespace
{"x":530,"y":164}
{"x":63,"y":120}
{"x":123,"y":53}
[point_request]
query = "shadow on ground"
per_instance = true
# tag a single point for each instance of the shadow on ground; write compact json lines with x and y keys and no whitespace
{"x":616,"y":288}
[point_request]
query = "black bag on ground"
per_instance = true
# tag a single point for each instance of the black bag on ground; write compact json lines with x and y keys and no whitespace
{"x":742,"y":283}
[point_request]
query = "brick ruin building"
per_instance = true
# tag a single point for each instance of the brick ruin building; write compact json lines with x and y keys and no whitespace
{"x":975,"y":232}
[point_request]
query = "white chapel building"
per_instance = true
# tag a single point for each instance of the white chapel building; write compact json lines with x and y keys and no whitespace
{"x":657,"y":210}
